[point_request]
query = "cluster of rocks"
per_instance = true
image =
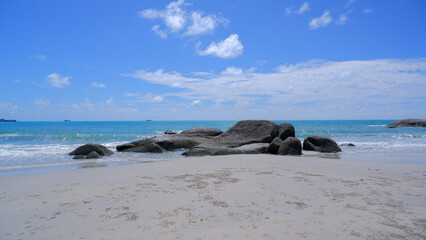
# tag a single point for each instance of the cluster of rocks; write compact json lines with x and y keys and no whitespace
{"x":244,"y":137}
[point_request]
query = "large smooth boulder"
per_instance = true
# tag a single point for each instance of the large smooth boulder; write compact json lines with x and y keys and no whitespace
{"x":142,"y":146}
{"x":320,"y":144}
{"x":290,"y":146}
{"x":134,"y":144}
{"x":254,"y":148}
{"x":286,"y":130}
{"x":202,"y":131}
{"x":146,"y":148}
{"x":177,"y":141}
{"x":90,"y":147}
{"x":408,"y":123}
{"x":243,"y":133}
{"x":275,"y":144}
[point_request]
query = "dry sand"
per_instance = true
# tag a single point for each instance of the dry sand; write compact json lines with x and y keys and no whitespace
{"x":227,"y":197}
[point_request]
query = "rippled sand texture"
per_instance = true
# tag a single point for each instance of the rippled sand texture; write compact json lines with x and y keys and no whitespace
{"x":234,"y":197}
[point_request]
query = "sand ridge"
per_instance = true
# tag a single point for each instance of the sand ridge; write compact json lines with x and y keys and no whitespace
{"x":234,"y":197}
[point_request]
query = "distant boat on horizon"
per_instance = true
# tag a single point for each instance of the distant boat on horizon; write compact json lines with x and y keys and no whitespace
{"x":7,"y":120}
{"x":66,"y":120}
{"x":148,"y":120}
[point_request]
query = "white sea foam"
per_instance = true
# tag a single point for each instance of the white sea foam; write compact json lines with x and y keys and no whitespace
{"x":404,"y":136}
{"x":9,"y":135}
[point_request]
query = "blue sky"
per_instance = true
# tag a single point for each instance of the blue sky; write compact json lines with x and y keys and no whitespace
{"x":212,"y":60}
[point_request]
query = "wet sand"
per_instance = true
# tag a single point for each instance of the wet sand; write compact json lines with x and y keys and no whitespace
{"x":223,"y":197}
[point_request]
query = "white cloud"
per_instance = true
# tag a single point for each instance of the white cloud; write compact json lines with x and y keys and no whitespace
{"x":303,"y":8}
{"x":17,"y":80}
{"x":98,"y":85}
{"x":342,"y":19}
{"x":158,"y":99}
{"x":172,"y":79}
{"x":56,"y":80}
{"x":109,"y":100}
{"x":150,"y":14}
{"x":231,"y":47}
{"x":322,"y":87}
{"x":39,"y":57}
{"x":367,"y":10}
{"x":322,"y":21}
{"x":159,"y":32}
{"x":200,"y":24}
{"x":232,"y":71}
{"x":196,"y":102}
{"x":178,"y":20}
{"x":173,"y":16}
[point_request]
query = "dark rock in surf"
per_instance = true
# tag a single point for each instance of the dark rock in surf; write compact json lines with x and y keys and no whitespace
{"x":133,"y":144}
{"x":146,"y":148}
{"x":347,"y":145}
{"x":90,"y":147}
{"x":320,"y":144}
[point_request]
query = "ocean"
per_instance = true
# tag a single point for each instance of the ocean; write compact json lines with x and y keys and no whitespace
{"x":32,"y":147}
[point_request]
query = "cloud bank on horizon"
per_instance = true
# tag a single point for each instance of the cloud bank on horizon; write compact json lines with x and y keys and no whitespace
{"x":348,"y":87}
{"x":187,"y":60}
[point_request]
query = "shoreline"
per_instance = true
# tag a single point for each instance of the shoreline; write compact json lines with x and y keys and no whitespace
{"x":235,"y":196}
{"x":138,"y":158}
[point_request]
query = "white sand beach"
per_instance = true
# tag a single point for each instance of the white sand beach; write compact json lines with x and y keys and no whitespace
{"x":224,"y":197}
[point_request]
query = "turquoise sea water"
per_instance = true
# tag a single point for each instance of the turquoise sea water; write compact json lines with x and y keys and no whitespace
{"x":28,"y":147}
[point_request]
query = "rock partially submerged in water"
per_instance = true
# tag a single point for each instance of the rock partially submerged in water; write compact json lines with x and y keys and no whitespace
{"x":408,"y":123}
{"x":320,"y":144}
{"x":347,"y":145}
{"x":89,"y":148}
